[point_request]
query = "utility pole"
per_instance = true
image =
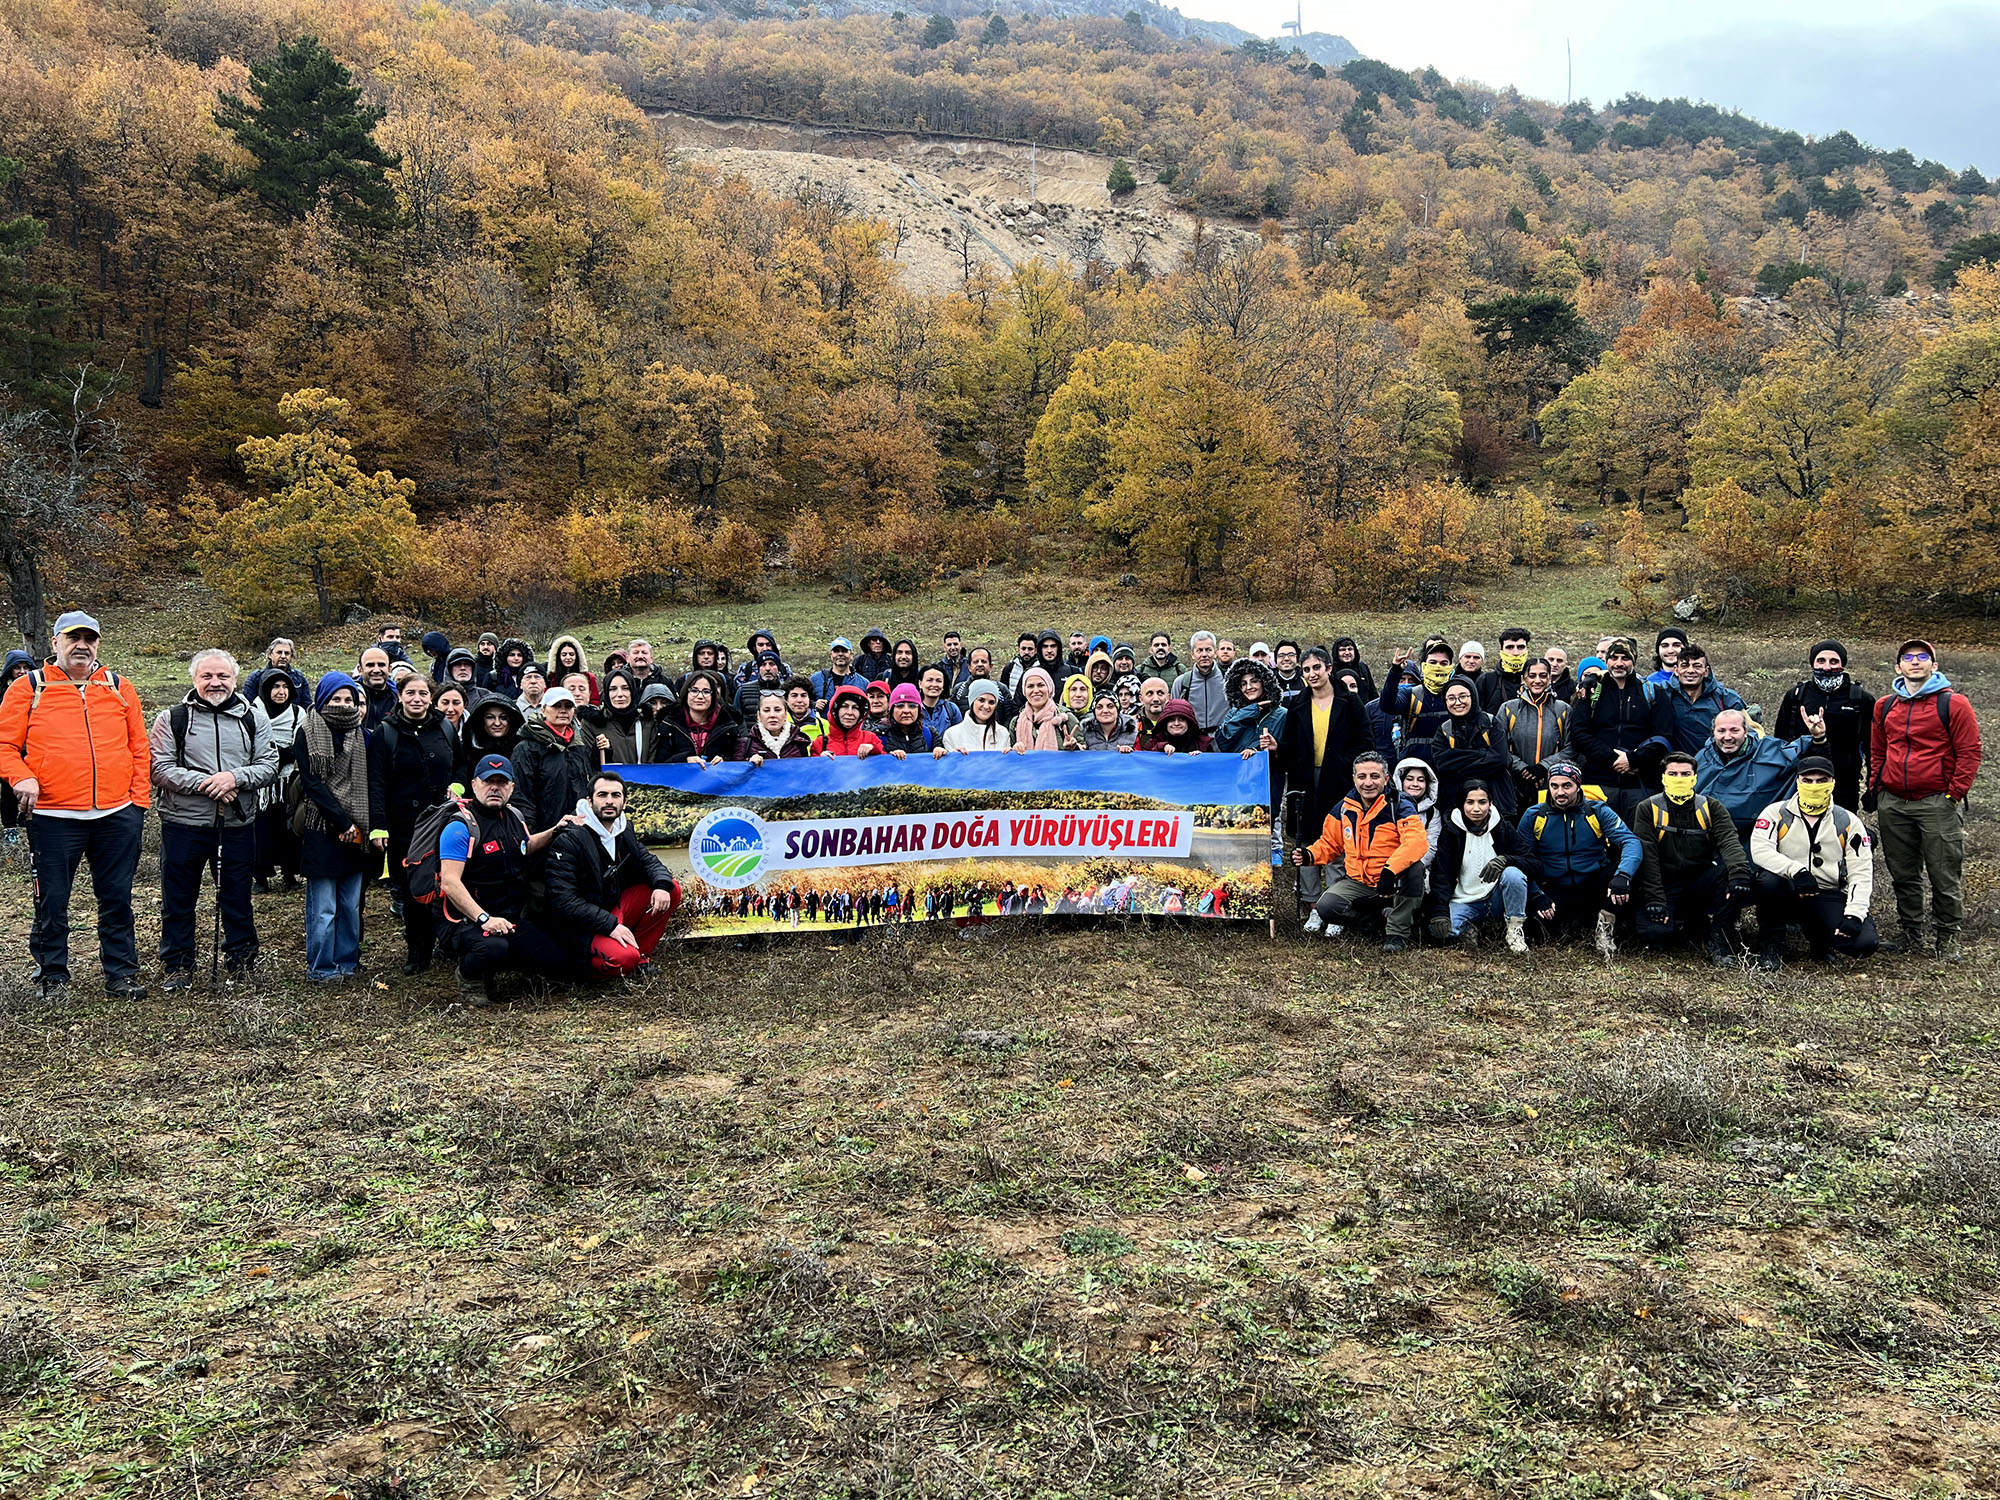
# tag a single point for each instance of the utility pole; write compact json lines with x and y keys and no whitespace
{"x":1569,"y":80}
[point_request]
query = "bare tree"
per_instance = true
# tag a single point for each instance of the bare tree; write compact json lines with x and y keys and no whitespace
{"x":60,"y":473}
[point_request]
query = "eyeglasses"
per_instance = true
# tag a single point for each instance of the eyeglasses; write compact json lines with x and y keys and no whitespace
{"x":1916,"y":656}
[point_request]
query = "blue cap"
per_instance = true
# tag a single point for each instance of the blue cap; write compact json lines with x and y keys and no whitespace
{"x":76,"y":619}
{"x":841,"y":643}
{"x":491,"y":766}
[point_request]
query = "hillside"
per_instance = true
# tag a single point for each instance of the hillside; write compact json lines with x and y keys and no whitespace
{"x":591,"y":306}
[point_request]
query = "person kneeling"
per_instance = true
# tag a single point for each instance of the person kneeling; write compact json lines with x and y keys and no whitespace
{"x":609,"y":895}
{"x":1587,"y":854}
{"x":1815,"y":867}
{"x":1377,"y":840}
{"x":1480,"y":873}
{"x":1694,"y":877}
{"x":483,"y":871}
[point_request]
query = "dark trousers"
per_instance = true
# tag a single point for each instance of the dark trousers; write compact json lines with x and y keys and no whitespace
{"x":1696,"y":907}
{"x":525,"y":950}
{"x":185,"y":853}
{"x":420,"y":922}
{"x":1779,"y":906}
{"x":59,"y":845}
{"x":1577,"y":905}
{"x":277,"y":845}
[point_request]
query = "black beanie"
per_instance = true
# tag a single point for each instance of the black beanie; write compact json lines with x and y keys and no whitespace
{"x":1827,"y":646}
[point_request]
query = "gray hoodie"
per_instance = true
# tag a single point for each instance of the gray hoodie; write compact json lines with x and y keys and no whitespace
{"x":236,"y":736}
{"x":1207,"y":695}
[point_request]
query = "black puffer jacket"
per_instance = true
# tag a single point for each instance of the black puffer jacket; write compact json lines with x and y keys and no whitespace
{"x":584,"y":882}
{"x":551,"y":777}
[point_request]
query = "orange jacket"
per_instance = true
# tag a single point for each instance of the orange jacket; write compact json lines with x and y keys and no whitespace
{"x":1365,"y":841}
{"x":85,"y":743}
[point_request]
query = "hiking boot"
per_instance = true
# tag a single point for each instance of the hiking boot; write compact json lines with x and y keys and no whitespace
{"x":1721,"y":952}
{"x":1394,"y":944}
{"x":1468,"y":937}
{"x":1607,"y":944}
{"x":125,"y":989}
{"x":1906,"y":944}
{"x":477,"y":992}
{"x":175,"y":980}
{"x":261,"y":885}
{"x":1314,"y":923}
{"x":415,"y":966}
{"x":1949,"y":948}
{"x":1517,"y":934}
{"x":53,"y":990}
{"x":1772,"y":958}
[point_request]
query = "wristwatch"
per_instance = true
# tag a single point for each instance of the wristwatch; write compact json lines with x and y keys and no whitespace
{"x":483,"y":918}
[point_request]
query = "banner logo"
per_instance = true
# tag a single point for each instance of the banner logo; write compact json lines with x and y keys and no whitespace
{"x":728,"y":846}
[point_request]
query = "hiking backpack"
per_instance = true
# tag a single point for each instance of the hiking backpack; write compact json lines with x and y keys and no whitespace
{"x":421,"y":863}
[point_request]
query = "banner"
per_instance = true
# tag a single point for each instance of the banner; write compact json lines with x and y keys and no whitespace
{"x":836,"y":840}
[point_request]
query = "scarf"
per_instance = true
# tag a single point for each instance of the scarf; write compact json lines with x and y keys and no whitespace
{"x":775,"y":743}
{"x":1036,"y":731}
{"x":343,"y":766}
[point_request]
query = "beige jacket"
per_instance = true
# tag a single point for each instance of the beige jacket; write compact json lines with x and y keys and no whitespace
{"x":1784,"y":842}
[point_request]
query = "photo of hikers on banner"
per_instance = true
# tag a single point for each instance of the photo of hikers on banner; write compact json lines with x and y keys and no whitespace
{"x":534,"y":812}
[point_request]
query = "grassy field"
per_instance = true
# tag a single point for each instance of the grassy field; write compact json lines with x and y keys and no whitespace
{"x":1113,"y":1210}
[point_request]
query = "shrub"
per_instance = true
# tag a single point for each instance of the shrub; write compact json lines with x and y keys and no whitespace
{"x":1668,"y":1091}
{"x":1121,"y":179}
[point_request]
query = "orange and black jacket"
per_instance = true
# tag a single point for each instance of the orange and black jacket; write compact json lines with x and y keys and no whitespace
{"x":83,"y":742}
{"x":1366,"y":840}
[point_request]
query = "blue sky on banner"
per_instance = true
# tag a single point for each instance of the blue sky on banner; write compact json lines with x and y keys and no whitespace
{"x":1184,"y":779}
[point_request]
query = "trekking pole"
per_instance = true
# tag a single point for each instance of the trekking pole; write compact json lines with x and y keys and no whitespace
{"x":215,"y":936}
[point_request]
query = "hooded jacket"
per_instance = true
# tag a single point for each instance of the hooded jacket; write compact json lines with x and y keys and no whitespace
{"x":1679,"y":842}
{"x":483,"y":666}
{"x":1358,"y":667}
{"x":1365,"y":839}
{"x":682,"y":739}
{"x":1415,"y":707}
{"x":1427,"y":804}
{"x":839,"y":741}
{"x":507,"y":679}
{"x":1784,"y":841}
{"x":84,"y":742}
{"x":1849,"y":710}
{"x":551,"y":776}
{"x":1156,"y":737}
{"x":556,"y":674}
{"x":1918,"y":746}
{"x":1751,"y":779}
{"x":632,"y":733}
{"x":1578,"y":845}
{"x":231,"y":736}
{"x":1449,"y":858}
{"x":474,"y":743}
{"x":284,"y":724}
{"x":897,"y":676}
{"x":472,"y":689}
{"x":753,"y":654}
{"x":1693,"y":719}
{"x":437,"y":646}
{"x":1245,"y":722}
{"x":872,"y":665}
{"x":586,"y":880}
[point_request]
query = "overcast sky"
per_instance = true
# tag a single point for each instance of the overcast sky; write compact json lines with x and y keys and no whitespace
{"x":1915,"y":73}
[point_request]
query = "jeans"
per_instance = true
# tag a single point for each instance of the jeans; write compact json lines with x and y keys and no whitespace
{"x":58,"y":846}
{"x":1507,"y":899}
{"x":61,"y":845}
{"x":333,"y":926}
{"x":1924,"y":836}
{"x":185,"y":853}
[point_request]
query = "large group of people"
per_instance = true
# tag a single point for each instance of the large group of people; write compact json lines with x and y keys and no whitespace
{"x":1425,"y":798}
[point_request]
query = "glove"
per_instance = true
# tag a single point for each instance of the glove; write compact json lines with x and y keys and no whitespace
{"x":1621,"y":884}
{"x":1805,"y":883}
{"x":1868,"y":800}
{"x":1387,"y":884}
{"x":1494,"y":868}
{"x":1440,"y":929}
{"x":1847,"y":927}
{"x":1539,"y":774}
{"x":1741,"y":888}
{"x":1659,"y":916}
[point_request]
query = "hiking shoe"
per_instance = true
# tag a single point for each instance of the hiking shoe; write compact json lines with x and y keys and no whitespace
{"x":54,"y":991}
{"x":1949,"y":947}
{"x":1721,"y":952}
{"x":125,"y":989}
{"x":1607,"y":943}
{"x":1395,"y":945}
{"x":176,"y":980}
{"x":1314,"y":923}
{"x":1771,"y":959}
{"x":415,"y":966}
{"x":477,"y":992}
{"x":261,"y":885}
{"x":1905,"y":944}
{"x":1517,"y":934}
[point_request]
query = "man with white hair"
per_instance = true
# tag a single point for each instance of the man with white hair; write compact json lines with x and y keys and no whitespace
{"x":213,"y":752}
{"x":1203,"y":685}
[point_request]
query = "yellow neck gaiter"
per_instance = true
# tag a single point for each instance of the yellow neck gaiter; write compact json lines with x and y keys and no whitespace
{"x":1815,"y":798}
{"x":1513,"y":661}
{"x":1678,"y":785}
{"x":1436,"y":675}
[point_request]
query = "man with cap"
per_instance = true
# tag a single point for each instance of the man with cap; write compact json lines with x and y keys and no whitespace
{"x":1621,"y":727}
{"x":1748,"y":772}
{"x":1487,"y":690}
{"x":1588,"y":857}
{"x":483,"y":868}
{"x":486,"y":665}
{"x":768,"y":677}
{"x":1260,"y":652}
{"x":1815,"y":869}
{"x":1923,"y":753}
{"x":1666,"y":655}
{"x":73,"y":747}
{"x":1845,"y":706}
{"x":840,"y":674}
{"x":1694,"y":878}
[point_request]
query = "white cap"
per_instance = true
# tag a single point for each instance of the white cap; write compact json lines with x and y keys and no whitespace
{"x":1472,"y":646}
{"x":558,"y":695}
{"x":1259,"y":648}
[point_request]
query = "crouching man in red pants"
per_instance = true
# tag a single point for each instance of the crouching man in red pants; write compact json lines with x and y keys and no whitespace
{"x":609,"y":896}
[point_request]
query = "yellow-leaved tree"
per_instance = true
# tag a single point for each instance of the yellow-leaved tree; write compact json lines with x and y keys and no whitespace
{"x":704,"y":430}
{"x":322,"y":526}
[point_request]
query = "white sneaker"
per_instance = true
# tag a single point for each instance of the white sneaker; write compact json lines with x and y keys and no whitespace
{"x":1333,"y":930}
{"x":1517,"y":934}
{"x":1606,"y":944}
{"x":1315,"y":922}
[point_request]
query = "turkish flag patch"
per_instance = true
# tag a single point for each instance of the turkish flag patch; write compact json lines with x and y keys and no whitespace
{"x":491,"y":846}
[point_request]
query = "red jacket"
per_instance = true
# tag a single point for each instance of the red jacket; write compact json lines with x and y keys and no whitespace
{"x":84,"y":743}
{"x":1912,"y":754}
{"x":838,"y":741}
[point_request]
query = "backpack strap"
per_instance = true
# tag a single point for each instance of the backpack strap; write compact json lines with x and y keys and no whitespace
{"x":179,"y":716}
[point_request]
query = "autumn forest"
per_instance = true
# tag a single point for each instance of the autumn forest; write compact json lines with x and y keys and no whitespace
{"x":411,"y":305}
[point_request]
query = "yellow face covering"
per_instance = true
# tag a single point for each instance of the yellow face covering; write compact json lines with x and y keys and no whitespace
{"x":1679,"y":785}
{"x":1513,"y":661}
{"x":1815,"y":798}
{"x":1436,"y":674}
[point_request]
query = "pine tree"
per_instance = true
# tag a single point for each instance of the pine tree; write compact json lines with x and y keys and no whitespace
{"x":311,"y":133}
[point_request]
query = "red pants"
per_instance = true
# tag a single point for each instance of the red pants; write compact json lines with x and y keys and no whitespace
{"x":608,"y":957}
